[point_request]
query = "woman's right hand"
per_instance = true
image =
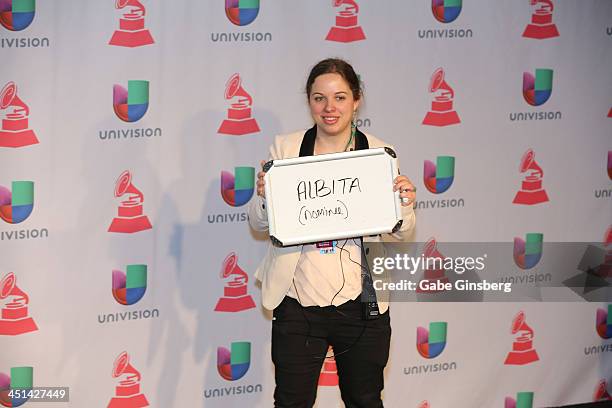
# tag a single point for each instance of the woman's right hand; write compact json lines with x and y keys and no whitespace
{"x":260,"y":181}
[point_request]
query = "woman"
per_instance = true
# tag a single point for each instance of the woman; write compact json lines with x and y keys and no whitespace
{"x":315,"y":289}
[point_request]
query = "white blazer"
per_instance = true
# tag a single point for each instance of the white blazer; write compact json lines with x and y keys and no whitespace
{"x":278,"y":266}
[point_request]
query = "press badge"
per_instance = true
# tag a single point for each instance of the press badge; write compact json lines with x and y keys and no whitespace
{"x":327,"y":247}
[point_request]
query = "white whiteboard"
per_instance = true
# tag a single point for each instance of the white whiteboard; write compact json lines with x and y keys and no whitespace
{"x":332,"y":196}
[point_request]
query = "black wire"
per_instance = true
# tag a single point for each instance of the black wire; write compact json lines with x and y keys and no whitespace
{"x":309,"y":334}
{"x":341,"y":269}
{"x":344,"y":314}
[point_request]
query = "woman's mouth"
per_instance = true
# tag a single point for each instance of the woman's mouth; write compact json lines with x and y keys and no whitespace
{"x":330,"y":120}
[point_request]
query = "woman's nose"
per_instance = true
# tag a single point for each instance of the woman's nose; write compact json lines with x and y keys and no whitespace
{"x":329,"y":106}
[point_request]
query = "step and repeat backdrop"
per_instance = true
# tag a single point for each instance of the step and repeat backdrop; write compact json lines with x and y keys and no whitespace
{"x":131,"y":134}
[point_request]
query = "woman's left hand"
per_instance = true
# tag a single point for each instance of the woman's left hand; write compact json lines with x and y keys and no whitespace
{"x":406,"y":188}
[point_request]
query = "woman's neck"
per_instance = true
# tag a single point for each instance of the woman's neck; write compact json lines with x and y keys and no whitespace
{"x":325,"y":143}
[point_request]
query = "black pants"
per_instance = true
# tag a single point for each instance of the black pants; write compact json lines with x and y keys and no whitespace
{"x":300,"y":339}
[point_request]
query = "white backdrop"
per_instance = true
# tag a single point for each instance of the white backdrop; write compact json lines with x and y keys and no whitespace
{"x":173,"y":332}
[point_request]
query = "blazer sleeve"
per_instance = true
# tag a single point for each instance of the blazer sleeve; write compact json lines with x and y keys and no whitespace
{"x":258,"y":216}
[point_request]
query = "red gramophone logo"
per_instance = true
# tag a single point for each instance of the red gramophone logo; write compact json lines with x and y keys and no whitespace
{"x":531,"y":191}
{"x":347,"y":28}
{"x":130,"y":217}
{"x":442,"y":112}
{"x":541,"y":26}
{"x":239,"y":120}
{"x":329,"y":372}
{"x":434,"y":272}
{"x":132,"y":31}
{"x":14,"y":131}
{"x":523,"y":351}
{"x":601,"y":392}
{"x":235,"y":297}
{"x":423,"y":404}
{"x":15,"y":319}
{"x":127,"y":392}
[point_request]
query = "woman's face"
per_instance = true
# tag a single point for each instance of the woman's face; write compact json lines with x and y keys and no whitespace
{"x":332,"y":104}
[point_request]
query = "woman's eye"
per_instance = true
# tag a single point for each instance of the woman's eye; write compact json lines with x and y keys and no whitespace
{"x":318,"y":98}
{"x":340,"y":98}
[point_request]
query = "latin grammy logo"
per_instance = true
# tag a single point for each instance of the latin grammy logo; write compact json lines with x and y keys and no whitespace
{"x":435,"y":273}
{"x":441,"y":113}
{"x":239,"y":120}
{"x":127,"y":393}
{"x":347,"y":28}
{"x":601,"y":392}
{"x":130,"y":215}
{"x":424,"y":404}
{"x":531,"y":191}
{"x":522,"y":349}
{"x":235,"y":297}
{"x":132,"y":31}
{"x":541,"y":26}
{"x":329,"y":372}
{"x":14,"y":131}
{"x":14,"y":319}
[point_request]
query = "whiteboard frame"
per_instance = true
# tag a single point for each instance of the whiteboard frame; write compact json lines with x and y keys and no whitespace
{"x":277,"y":165}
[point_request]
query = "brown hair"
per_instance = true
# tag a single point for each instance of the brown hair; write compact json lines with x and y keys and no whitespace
{"x":335,"y":66}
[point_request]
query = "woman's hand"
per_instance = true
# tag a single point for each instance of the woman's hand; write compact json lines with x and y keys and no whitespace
{"x":260,"y":181}
{"x":406,"y":188}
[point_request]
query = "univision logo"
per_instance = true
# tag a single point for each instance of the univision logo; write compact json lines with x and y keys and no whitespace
{"x":16,"y":206}
{"x":606,"y":192}
{"x":446,"y":11}
{"x":21,"y":378}
{"x":130,"y":286}
{"x":603,"y":322}
{"x":431,"y":343}
{"x":537,"y":90}
{"x":241,"y":13}
{"x":232,"y":365}
{"x":17,"y":15}
{"x":523,"y":400}
{"x":438,"y":178}
{"x":132,"y":103}
{"x":528,"y":252}
{"x":237,"y":189}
